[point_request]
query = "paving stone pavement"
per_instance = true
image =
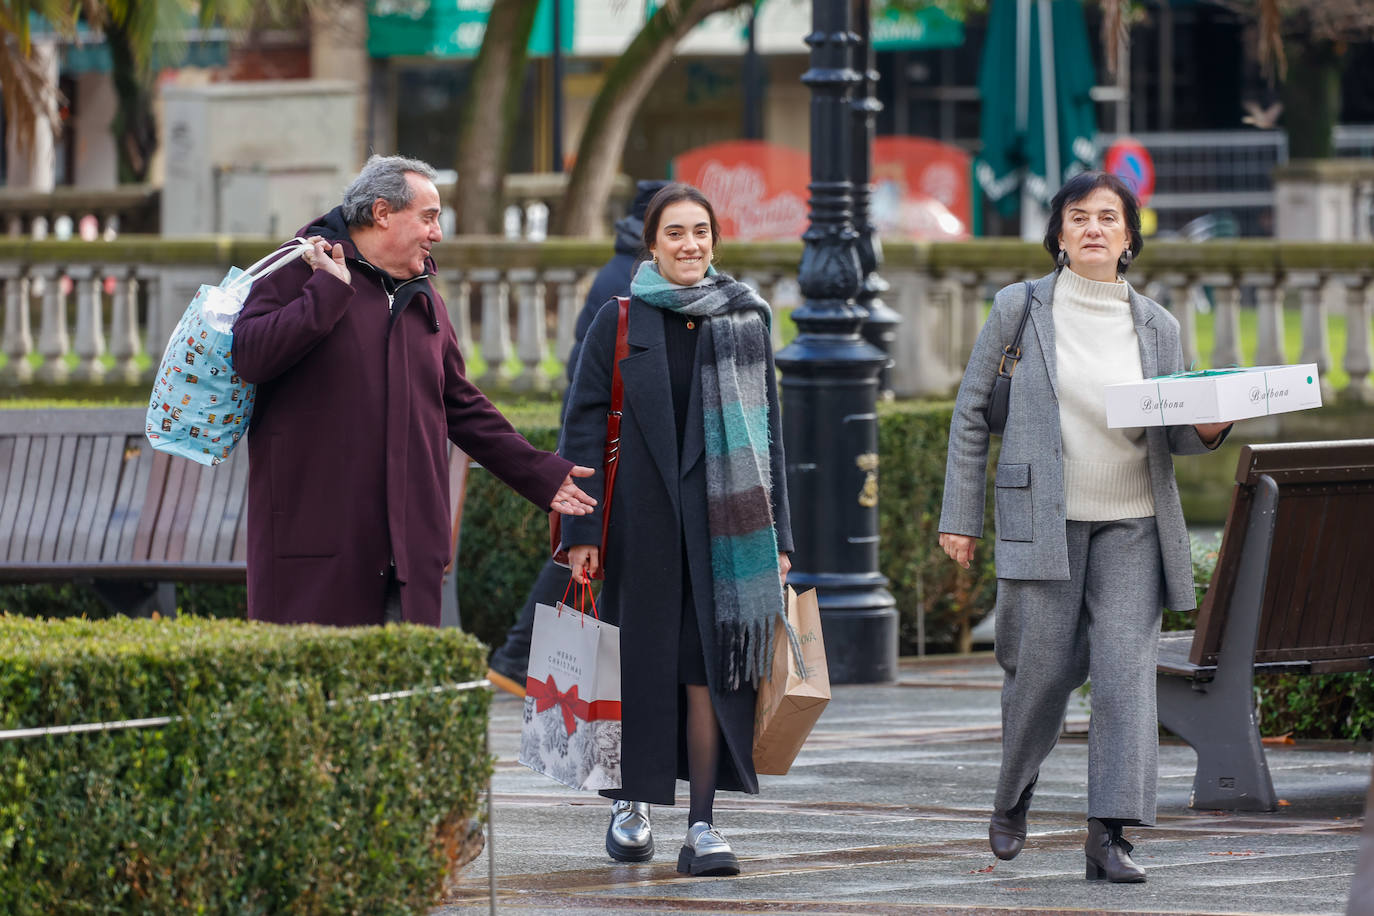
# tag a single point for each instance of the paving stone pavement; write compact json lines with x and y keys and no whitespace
{"x":885,"y":812}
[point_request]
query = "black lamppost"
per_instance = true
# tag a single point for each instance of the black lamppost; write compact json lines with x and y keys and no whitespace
{"x":830,"y":388}
{"x":880,"y":321}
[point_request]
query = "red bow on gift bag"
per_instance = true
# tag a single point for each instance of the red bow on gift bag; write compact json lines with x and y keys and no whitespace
{"x":546,"y":695}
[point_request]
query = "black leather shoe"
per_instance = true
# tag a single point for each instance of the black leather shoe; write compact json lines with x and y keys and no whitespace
{"x":1007,"y":829}
{"x":1109,"y":855}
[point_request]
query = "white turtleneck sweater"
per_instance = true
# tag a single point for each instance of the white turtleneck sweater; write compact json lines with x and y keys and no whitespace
{"x":1106,"y":471}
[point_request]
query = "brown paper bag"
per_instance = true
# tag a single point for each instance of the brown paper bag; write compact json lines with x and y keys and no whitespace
{"x":790,"y":703}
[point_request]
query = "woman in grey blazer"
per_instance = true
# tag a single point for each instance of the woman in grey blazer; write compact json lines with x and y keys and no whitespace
{"x":1091,"y":542}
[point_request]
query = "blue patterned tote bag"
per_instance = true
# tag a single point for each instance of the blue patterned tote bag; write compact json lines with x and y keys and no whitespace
{"x":200,"y":406}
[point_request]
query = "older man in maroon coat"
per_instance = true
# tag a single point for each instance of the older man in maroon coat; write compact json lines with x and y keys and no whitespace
{"x":360,"y":383}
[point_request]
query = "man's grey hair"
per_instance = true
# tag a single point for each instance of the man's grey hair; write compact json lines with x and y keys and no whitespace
{"x":382,"y":177}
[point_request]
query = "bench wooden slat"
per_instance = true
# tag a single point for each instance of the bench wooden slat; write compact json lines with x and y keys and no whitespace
{"x":137,"y":450}
{"x":184,"y":510}
{"x":76,"y":496}
{"x":1331,"y":593}
{"x":38,"y":447}
{"x":80,"y":551}
{"x":107,"y":500}
{"x":17,"y":467}
{"x":233,"y":534}
{"x":159,"y":465}
{"x":59,"y":493}
{"x":166,"y":510}
{"x":127,"y":501}
{"x":6,"y":466}
{"x":40,"y":502}
{"x":218,"y":493}
{"x":189,"y":549}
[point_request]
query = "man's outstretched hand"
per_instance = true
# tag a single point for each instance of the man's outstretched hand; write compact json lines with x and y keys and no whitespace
{"x":570,"y":500}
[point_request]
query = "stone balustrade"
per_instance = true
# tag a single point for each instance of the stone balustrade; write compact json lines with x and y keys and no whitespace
{"x":101,"y":312}
{"x":41,"y":214}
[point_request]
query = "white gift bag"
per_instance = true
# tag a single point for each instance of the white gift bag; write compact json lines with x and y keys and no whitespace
{"x":571,"y":729}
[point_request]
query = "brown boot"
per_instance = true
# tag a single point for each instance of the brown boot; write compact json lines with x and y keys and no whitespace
{"x":1109,"y":855}
{"x":1007,"y":829}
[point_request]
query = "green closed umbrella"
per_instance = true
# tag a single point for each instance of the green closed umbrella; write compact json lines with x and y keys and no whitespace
{"x":1037,"y":121}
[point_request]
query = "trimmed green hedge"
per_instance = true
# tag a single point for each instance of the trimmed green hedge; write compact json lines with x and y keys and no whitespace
{"x":277,"y":788}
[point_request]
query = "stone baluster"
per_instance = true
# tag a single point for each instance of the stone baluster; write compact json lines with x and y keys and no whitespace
{"x":1225,"y":319}
{"x":1269,"y":296}
{"x":1180,"y":292}
{"x":53,"y":340}
{"x":18,"y":343}
{"x":1316,"y":341}
{"x":87,"y":283}
{"x":495,"y":324}
{"x":458,"y":297}
{"x":124,"y":324}
{"x":1359,"y":302}
{"x":969,"y":297}
{"x":568,"y":298}
{"x":149,"y":283}
{"x":531,"y":329}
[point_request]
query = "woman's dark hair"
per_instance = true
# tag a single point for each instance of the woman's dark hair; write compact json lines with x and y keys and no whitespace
{"x":1079,"y":187}
{"x":671,"y":194}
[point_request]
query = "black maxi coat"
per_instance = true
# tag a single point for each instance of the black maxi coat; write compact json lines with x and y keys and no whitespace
{"x":660,"y":497}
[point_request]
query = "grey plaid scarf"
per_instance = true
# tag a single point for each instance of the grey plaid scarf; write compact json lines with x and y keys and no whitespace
{"x":733,"y":347}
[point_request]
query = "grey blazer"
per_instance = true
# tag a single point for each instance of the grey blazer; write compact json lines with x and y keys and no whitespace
{"x":1029,"y":497}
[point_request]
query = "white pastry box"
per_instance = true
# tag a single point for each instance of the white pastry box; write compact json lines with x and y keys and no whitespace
{"x":1213,"y":396}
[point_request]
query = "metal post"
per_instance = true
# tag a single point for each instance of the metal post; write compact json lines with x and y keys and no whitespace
{"x":880,"y":322}
{"x":556,"y":62}
{"x":830,"y":389}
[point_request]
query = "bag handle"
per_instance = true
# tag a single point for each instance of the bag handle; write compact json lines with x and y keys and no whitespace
{"x":270,"y":263}
{"x":1012,"y":351}
{"x":582,"y":596}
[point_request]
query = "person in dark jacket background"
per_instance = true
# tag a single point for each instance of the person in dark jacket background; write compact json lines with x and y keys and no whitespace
{"x":360,"y":382}
{"x":510,"y":661}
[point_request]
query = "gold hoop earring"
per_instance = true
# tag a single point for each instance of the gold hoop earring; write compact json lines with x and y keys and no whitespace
{"x":713,"y":257}
{"x":655,"y":260}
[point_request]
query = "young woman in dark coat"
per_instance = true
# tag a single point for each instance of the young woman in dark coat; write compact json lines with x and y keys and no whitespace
{"x":696,"y":550}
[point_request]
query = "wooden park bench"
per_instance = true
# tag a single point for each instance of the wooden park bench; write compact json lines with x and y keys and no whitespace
{"x":1293,"y":592}
{"x":84,"y":498}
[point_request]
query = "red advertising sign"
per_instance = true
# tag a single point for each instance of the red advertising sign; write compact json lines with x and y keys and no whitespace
{"x":758,"y":189}
{"x":920,"y":188}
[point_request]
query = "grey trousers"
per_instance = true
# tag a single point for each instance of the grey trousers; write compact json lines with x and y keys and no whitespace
{"x":1102,"y":623}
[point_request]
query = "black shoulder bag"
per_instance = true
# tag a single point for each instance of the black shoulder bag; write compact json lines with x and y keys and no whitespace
{"x":1000,"y":399}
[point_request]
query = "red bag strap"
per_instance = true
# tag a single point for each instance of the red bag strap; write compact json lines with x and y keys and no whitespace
{"x":612,"y":453}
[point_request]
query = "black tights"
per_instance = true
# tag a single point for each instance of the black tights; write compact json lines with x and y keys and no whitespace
{"x":703,"y":752}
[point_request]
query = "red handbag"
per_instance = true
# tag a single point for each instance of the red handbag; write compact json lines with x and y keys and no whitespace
{"x":611,"y":456}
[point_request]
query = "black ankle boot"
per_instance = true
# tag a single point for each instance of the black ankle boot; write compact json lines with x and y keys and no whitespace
{"x":1109,"y":855}
{"x":1007,"y":829}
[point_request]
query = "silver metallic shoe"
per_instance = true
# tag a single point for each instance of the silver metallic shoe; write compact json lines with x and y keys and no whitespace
{"x":706,"y":852}
{"x":630,"y":838}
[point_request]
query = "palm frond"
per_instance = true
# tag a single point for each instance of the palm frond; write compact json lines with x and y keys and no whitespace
{"x":1271,"y":40}
{"x":1115,"y":17}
